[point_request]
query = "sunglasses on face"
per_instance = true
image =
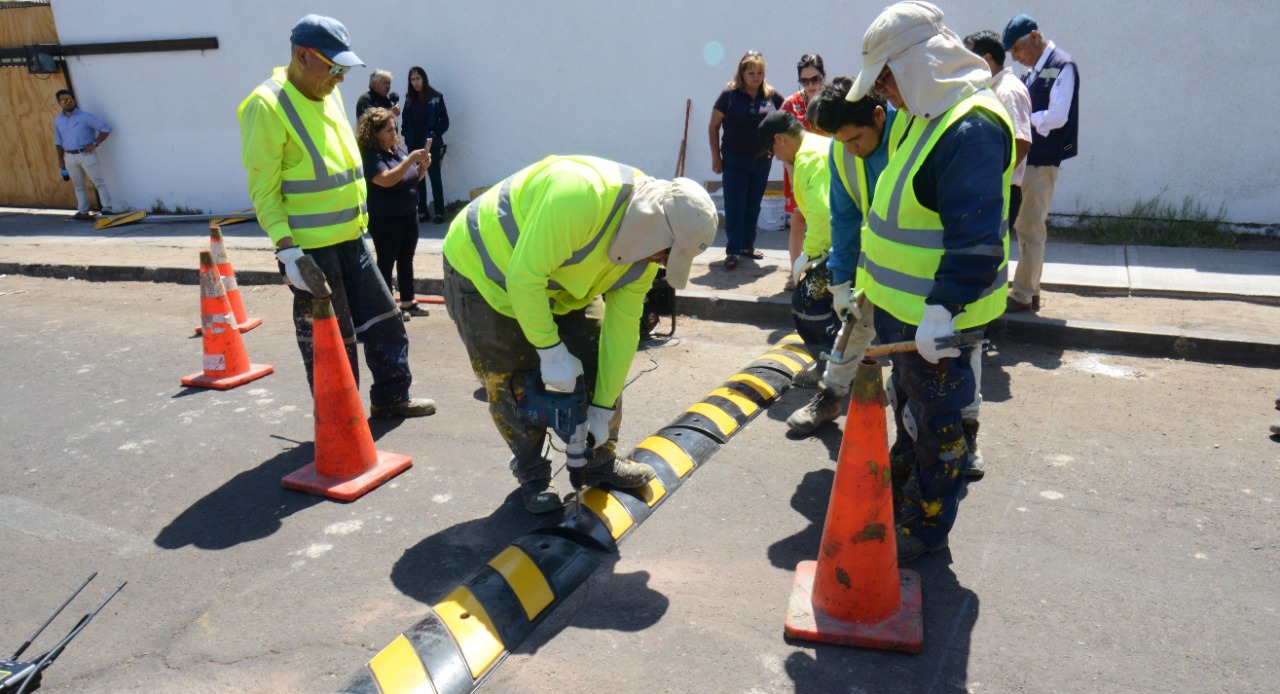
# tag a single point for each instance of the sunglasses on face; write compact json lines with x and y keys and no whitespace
{"x":812,"y":81}
{"x":335,"y":70}
{"x":65,"y":99}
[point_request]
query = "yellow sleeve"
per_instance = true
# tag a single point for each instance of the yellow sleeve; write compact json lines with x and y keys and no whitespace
{"x":619,"y":337}
{"x":812,"y":189}
{"x":563,"y":216}
{"x":262,"y":142}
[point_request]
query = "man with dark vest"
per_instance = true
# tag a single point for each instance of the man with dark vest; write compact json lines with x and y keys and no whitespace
{"x":935,"y":251}
{"x":1054,"y":83}
{"x":307,"y":185}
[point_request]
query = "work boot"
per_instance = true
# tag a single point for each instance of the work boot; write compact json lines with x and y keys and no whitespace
{"x":977,"y":468}
{"x":911,"y":547}
{"x":621,"y":474}
{"x":540,"y":496}
{"x":809,"y":378}
{"x":413,"y":407}
{"x":823,"y":408}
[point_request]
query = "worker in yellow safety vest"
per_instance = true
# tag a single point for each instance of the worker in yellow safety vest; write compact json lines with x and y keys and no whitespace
{"x":547,"y":272}
{"x":935,"y":251}
{"x":308,"y":188}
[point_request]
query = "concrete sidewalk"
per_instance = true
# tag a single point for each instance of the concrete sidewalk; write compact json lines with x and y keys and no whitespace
{"x":1203,"y":304}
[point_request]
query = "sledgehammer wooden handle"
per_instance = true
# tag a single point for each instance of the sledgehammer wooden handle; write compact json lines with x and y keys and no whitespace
{"x":958,"y":340}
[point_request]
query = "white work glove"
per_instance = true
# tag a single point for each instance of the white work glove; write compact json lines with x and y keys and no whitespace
{"x":598,"y":425}
{"x":937,"y":322}
{"x":298,"y":267}
{"x":838,"y":377}
{"x":844,"y":301}
{"x":797,"y":270}
{"x":560,"y":369}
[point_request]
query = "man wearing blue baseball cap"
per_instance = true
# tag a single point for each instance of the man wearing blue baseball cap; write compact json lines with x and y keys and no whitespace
{"x":308,"y":189}
{"x":1054,"y":84}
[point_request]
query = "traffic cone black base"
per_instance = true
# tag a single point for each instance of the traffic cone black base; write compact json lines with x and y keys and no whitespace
{"x":901,"y":631}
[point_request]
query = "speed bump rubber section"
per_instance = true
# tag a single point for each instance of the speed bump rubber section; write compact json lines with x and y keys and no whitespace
{"x":786,"y":357}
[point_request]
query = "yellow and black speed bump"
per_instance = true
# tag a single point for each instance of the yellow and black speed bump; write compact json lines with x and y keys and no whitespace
{"x":788,"y":357}
{"x":468,"y":633}
{"x":607,"y":516}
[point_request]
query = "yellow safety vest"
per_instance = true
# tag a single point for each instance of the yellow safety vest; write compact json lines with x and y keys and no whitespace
{"x":811,"y":185}
{"x":537,"y":245}
{"x":902,"y":242}
{"x":845,"y":161}
{"x":322,"y":183}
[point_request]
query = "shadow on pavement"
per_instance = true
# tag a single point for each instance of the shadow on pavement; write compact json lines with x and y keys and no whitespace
{"x":250,"y":506}
{"x":428,"y":570}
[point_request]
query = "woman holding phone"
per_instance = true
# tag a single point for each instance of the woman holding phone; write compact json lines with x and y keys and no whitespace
{"x":425,"y":121}
{"x":393,"y":176}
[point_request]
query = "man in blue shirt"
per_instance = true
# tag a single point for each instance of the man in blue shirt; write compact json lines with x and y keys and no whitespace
{"x":860,"y":143}
{"x":77,"y":135}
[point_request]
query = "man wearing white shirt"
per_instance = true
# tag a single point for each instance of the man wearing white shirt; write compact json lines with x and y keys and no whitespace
{"x":1054,"y":85}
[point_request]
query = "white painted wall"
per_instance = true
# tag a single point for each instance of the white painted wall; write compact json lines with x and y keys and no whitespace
{"x":1167,"y":105}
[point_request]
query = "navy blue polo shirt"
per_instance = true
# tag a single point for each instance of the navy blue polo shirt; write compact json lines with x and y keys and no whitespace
{"x":742,"y":115}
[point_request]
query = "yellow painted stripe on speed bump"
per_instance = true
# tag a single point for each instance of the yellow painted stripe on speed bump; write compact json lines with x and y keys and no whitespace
{"x":653,"y":491}
{"x":747,"y":406}
{"x":398,"y":669}
{"x":765,"y":390}
{"x":610,"y":510}
{"x":792,"y":339}
{"x":473,"y":630}
{"x":798,"y":350}
{"x":786,"y":359}
{"x":526,"y":580}
{"x":718,"y":416}
{"x":670,"y":452}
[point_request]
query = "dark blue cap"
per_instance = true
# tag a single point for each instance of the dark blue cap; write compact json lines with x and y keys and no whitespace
{"x":1018,"y":27}
{"x":327,"y":35}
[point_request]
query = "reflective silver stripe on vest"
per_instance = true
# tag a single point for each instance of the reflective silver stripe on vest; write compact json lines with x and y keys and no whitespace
{"x":920,"y":286}
{"x":507,"y":221}
{"x":323,"y":180}
{"x":473,"y":226}
{"x":890,"y":231}
{"x":628,"y":176}
{"x":637,"y":269}
{"x":324,"y":219}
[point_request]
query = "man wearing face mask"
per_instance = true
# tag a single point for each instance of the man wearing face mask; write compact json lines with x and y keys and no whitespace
{"x":935,"y":251}
{"x":548,"y":271}
{"x":307,"y":185}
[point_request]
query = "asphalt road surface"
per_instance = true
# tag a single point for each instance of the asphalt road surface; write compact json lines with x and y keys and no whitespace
{"x":1125,"y":537}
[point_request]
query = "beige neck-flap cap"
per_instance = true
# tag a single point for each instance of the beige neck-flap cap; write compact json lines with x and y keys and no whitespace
{"x":678,"y":215}
{"x":930,"y":64}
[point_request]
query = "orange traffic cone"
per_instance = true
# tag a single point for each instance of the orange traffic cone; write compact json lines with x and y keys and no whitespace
{"x":346,"y":466}
{"x":855,"y":594}
{"x":226,"y":365}
{"x":228,"y":274}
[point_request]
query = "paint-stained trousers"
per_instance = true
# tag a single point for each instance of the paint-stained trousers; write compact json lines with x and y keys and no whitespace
{"x":816,"y":321}
{"x":501,"y":356}
{"x":365,"y":311}
{"x":929,"y":453}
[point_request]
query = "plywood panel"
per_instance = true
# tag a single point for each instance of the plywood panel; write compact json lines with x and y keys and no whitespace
{"x":29,"y":177}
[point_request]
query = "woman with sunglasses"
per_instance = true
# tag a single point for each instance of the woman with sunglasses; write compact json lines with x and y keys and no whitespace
{"x":812,"y":76}
{"x":745,"y":101}
{"x":392,"y":176}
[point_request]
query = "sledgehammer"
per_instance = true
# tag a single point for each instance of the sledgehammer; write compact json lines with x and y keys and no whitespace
{"x":836,"y":356}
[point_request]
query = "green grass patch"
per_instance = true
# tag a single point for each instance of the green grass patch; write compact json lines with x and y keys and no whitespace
{"x":1154,"y":222}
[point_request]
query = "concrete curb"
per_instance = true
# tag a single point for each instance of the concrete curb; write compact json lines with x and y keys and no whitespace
{"x":1192,"y":345}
